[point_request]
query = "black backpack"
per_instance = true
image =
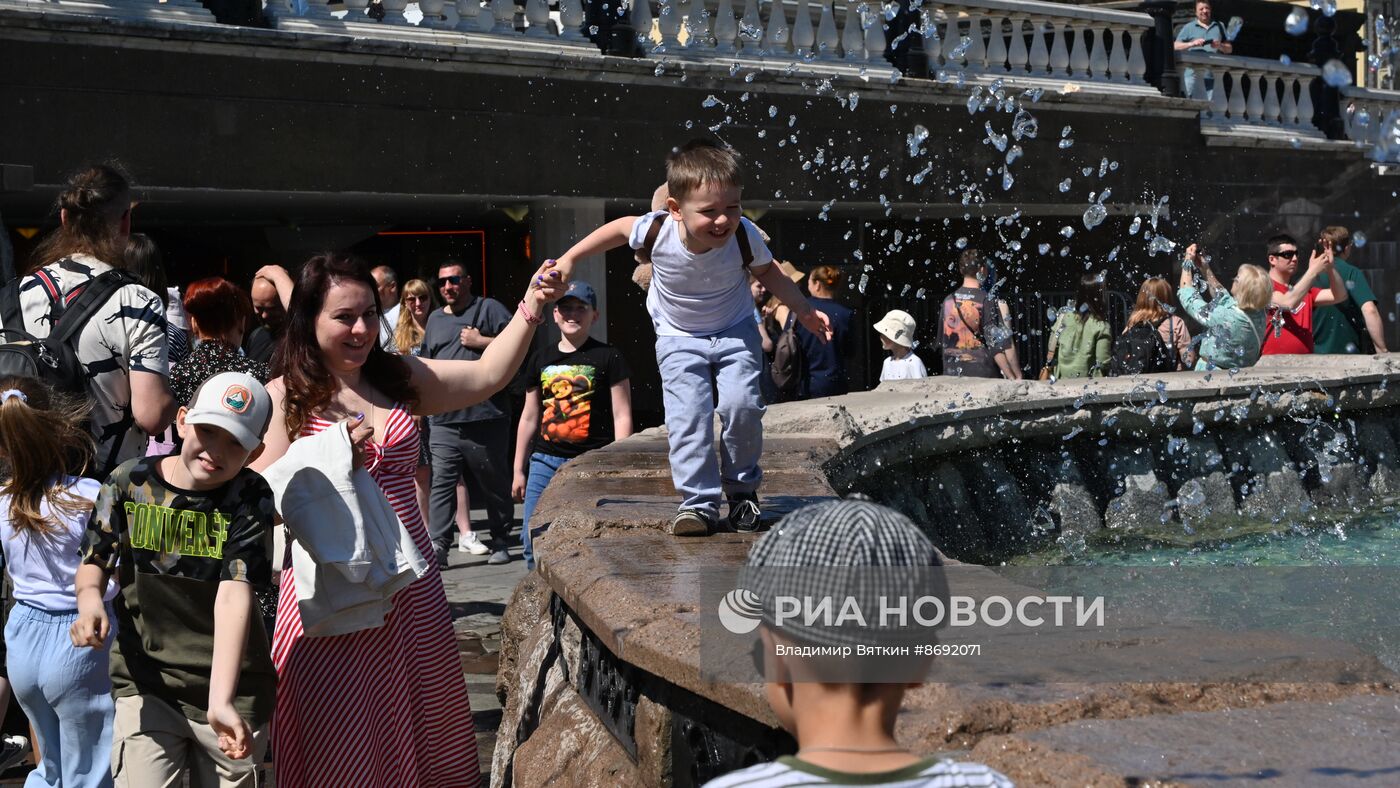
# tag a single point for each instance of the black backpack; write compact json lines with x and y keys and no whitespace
{"x":54,"y":359}
{"x":788,"y":365}
{"x":1140,"y":350}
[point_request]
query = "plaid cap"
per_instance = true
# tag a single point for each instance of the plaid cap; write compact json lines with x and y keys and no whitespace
{"x":843,"y":548}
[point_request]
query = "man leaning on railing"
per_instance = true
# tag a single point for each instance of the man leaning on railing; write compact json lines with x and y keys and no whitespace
{"x":1202,"y":34}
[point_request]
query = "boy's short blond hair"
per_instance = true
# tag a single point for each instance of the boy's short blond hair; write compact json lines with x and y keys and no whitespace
{"x":1253,"y":290}
{"x":700,"y":162}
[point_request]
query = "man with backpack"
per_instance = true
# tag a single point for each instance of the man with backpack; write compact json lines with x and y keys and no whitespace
{"x":975,"y":340}
{"x":86,"y":327}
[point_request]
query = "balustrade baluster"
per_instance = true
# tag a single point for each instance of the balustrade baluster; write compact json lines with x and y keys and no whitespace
{"x":467,"y":11}
{"x":1078,"y":54}
{"x":1017,"y":57}
{"x":776,"y":39}
{"x":852,"y":38}
{"x":571,"y":20}
{"x":804,"y":38}
{"x":873,"y":22}
{"x":669,"y":23}
{"x":1137,"y":65}
{"x":1254,"y":104}
{"x":996,"y":44}
{"x":697,"y":27}
{"x":1271,"y":102}
{"x":1059,"y":55}
{"x":1219,"y":104}
{"x":536,"y":15}
{"x":1288,"y":112}
{"x":751,"y":29}
{"x":1118,"y":54}
{"x":977,"y":50}
{"x":503,"y":11}
{"x":432,"y":12}
{"x":1198,"y":85}
{"x":1305,"y":105}
{"x":952,"y":39}
{"x":1098,"y":56}
{"x":1040,"y":56}
{"x":1236,"y":104}
{"x":725,"y":27}
{"x":828,"y":40}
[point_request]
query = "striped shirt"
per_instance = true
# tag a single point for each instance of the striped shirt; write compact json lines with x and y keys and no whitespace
{"x":928,"y":773}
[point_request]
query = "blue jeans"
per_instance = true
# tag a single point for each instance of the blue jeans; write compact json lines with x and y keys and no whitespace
{"x":692,"y":369}
{"x":67,"y":695}
{"x":542,"y":469}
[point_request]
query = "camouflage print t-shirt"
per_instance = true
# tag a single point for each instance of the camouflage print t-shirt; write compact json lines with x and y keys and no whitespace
{"x":169,"y":549}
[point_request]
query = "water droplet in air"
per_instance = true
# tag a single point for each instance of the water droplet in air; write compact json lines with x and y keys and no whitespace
{"x":1161,"y":243}
{"x":974,"y":101}
{"x":1066,"y":144}
{"x":1064,"y":185}
{"x":1103,"y":168}
{"x":1329,"y":7}
{"x":1135,"y":226}
{"x":1094,"y":215}
{"x":1358,"y":239}
{"x":1024,"y":125}
{"x":854,"y":98}
{"x":998,"y":140}
{"x":1336,"y":74}
{"x":961,"y":49}
{"x":916,"y":139}
{"x":1285,"y":60}
{"x":1045,"y":249}
{"x":1067,"y":231}
{"x":1007,"y":179}
{"x":864,"y":281}
{"x":1233,"y":28}
{"x":1013,"y":154}
{"x":1297,"y":22}
{"x":961,"y":243}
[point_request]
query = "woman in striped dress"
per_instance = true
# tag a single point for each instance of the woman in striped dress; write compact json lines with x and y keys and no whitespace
{"x":385,"y":707}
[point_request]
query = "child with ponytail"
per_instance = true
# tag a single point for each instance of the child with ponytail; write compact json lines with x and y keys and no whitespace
{"x":65,"y":692}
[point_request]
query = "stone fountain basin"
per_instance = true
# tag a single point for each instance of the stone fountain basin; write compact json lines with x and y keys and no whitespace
{"x":600,"y":670}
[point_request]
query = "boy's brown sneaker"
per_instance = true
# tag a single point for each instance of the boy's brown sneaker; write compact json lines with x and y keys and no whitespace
{"x":690,"y":522}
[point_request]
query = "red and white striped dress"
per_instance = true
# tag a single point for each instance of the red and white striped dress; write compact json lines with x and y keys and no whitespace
{"x":386,"y":707}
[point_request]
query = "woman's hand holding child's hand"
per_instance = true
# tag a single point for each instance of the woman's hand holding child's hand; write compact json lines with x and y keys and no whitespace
{"x":234,"y":735}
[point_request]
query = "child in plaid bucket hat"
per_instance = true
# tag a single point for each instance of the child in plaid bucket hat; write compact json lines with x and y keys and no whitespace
{"x":841,"y":714}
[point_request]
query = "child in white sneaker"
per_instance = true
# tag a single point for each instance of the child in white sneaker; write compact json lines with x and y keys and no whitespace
{"x":706,"y":340}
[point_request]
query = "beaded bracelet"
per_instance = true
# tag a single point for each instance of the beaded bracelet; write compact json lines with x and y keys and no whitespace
{"x":534,"y":320}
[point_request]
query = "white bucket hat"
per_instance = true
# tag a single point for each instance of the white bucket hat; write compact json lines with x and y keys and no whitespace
{"x":898,"y":327}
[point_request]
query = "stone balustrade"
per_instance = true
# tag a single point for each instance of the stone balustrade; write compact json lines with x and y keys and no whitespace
{"x":1035,"y":39}
{"x":1253,"y":96}
{"x":1366,"y":113}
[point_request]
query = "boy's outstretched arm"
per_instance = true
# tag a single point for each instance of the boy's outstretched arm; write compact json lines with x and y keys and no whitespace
{"x":779,"y":285}
{"x":233,"y":606}
{"x":91,"y":626}
{"x":610,"y":236}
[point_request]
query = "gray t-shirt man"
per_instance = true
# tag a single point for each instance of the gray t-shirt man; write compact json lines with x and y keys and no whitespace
{"x":442,"y":339}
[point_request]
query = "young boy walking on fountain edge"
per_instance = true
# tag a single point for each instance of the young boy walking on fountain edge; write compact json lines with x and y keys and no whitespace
{"x":706,"y":338}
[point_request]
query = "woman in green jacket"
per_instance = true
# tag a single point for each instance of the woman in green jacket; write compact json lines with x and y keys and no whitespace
{"x":1081,"y":343}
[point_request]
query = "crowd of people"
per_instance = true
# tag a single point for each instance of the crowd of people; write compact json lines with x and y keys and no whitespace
{"x":228,"y":530}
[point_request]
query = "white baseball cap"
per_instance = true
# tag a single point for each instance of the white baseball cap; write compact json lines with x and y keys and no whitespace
{"x":898,"y":327}
{"x":236,"y":403}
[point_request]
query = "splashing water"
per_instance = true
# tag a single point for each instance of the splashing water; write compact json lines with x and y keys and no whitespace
{"x":1297,"y":22}
{"x":1067,"y":231}
{"x":974,"y":101}
{"x":1013,"y":154}
{"x":1007,"y":179}
{"x":1064,"y":185}
{"x":1358,"y":239}
{"x":998,"y":140}
{"x":1103,"y":168}
{"x":1034,"y":94}
{"x":854,"y":98}
{"x":864,"y":282}
{"x":1066,"y":144}
{"x":1135,"y":226}
{"x":961,"y":49}
{"x":916,"y":139}
{"x":1285,"y":60}
{"x":1094,"y":215}
{"x":1329,"y":7}
{"x":1233,"y":28}
{"x":1045,"y":249}
{"x":961,"y":243}
{"x":1336,"y":74}
{"x":1024,"y":125}
{"x":1160,"y":244}
{"x":1362,"y":117}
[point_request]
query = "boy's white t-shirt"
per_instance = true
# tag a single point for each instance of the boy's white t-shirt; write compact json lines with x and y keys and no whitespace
{"x":698,"y":295}
{"x":910,"y":367}
{"x":789,"y":772}
{"x":43,"y":568}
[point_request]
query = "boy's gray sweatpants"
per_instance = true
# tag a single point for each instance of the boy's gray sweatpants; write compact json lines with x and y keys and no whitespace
{"x":692,"y":368}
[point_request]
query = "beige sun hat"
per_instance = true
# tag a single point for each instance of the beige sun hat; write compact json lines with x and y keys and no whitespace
{"x":791,"y":271}
{"x":898,"y":327}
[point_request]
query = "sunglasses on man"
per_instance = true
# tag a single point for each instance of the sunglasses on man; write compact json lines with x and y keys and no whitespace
{"x":1287,"y":254}
{"x":449,"y":280}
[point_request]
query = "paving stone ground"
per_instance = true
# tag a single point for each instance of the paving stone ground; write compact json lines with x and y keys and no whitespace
{"x":477,"y":593}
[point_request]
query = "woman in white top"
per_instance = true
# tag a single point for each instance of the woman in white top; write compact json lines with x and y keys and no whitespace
{"x":65,"y":692}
